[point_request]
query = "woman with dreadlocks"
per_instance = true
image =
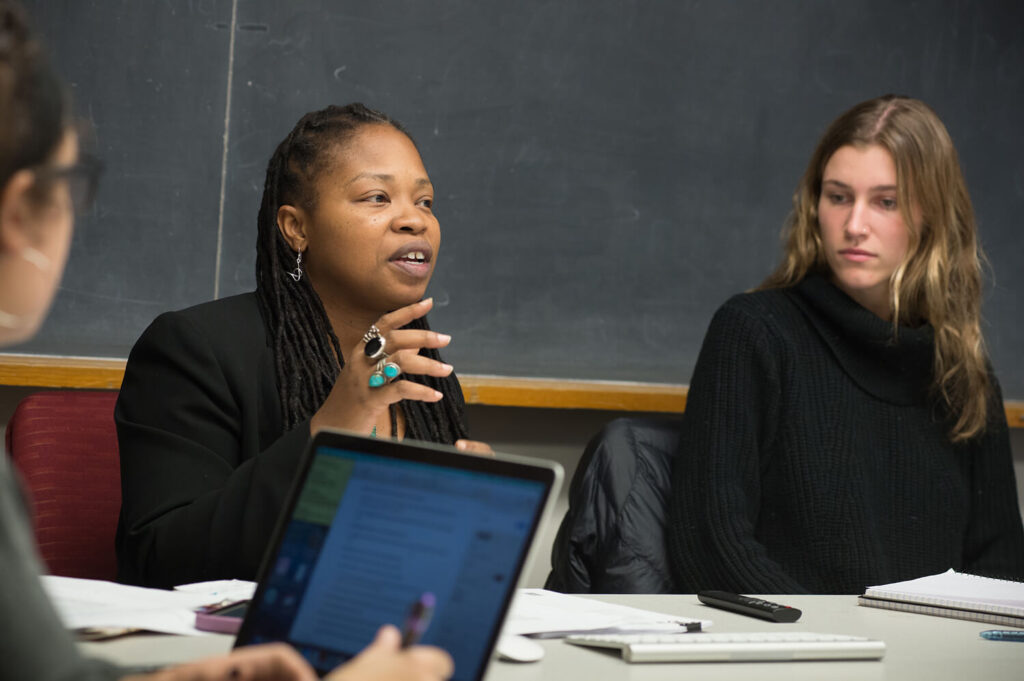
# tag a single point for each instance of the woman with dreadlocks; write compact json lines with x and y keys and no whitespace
{"x":334,"y":335}
{"x":44,"y":181}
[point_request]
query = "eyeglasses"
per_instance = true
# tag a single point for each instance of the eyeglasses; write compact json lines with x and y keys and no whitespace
{"x":83,"y":178}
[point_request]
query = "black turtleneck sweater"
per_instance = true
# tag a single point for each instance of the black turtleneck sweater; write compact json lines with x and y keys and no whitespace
{"x":813,"y":461}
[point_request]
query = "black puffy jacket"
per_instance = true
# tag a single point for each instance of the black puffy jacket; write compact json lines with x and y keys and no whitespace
{"x":612,"y":539}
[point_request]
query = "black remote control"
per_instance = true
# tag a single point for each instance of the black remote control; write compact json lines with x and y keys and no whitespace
{"x":745,"y":605}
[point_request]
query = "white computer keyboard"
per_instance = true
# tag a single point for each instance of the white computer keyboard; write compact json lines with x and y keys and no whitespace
{"x":751,"y":647}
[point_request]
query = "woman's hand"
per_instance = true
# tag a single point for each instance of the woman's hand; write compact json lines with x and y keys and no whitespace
{"x":382,"y":660}
{"x":474,"y":447}
{"x":386,"y":660}
{"x":269,"y":662}
{"x":352,"y":404}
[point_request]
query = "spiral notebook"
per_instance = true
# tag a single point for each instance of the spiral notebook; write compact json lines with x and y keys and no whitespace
{"x":953,"y":594}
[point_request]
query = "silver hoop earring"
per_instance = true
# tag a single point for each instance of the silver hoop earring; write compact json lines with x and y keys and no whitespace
{"x":297,"y":274}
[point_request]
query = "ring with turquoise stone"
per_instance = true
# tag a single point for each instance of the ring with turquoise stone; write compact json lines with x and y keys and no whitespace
{"x":377,"y":378}
{"x":384,"y":372}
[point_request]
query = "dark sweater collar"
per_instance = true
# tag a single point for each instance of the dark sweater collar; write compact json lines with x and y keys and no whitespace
{"x":894,"y":369}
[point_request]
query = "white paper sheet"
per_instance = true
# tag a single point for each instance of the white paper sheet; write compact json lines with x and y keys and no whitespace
{"x":549,"y":614}
{"x":221,"y":589}
{"x":93,"y":603}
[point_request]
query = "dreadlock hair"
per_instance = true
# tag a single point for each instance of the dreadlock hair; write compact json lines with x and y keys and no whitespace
{"x":939,"y":281}
{"x":307,"y":355}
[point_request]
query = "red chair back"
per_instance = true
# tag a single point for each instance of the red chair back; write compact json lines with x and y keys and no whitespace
{"x":64,"y":445}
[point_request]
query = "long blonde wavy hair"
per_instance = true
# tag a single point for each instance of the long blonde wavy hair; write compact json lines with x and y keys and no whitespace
{"x":939,"y":281}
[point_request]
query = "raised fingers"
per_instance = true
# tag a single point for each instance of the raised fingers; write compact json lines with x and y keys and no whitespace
{"x":409,"y":390}
{"x":413,"y":339}
{"x":403,"y":315}
{"x":411,"y":362}
{"x":378,"y":345}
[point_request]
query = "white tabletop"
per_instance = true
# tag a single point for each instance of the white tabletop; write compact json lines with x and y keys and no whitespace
{"x":918,"y":647}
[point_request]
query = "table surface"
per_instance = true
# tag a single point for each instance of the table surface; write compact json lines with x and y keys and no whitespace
{"x":918,"y":647}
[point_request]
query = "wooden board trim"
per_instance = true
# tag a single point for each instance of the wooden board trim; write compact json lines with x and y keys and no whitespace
{"x":565,"y":394}
{"x":48,"y":371}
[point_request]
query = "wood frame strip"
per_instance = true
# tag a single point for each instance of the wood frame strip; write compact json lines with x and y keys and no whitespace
{"x":49,"y":371}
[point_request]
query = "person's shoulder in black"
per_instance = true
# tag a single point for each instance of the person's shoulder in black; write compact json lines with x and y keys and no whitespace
{"x":197,"y":405}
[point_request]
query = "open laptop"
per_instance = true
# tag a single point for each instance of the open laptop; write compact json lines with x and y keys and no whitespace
{"x":371,"y":525}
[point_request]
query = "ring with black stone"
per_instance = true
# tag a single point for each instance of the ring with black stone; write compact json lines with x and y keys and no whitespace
{"x":374,"y":348}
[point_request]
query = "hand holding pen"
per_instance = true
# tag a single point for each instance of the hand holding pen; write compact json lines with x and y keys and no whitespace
{"x":418,"y":620}
{"x":386,"y":660}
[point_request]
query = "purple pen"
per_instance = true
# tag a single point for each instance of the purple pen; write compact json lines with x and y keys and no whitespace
{"x":418,"y":620}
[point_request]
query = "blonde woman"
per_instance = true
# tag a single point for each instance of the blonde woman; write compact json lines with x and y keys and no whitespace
{"x":843,"y":428}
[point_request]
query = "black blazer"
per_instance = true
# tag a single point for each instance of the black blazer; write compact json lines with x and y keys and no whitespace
{"x":205,"y":464}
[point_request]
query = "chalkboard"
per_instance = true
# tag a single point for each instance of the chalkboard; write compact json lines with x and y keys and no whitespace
{"x":608,"y":172}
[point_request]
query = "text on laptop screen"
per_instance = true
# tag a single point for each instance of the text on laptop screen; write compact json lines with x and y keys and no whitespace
{"x":369,"y":535}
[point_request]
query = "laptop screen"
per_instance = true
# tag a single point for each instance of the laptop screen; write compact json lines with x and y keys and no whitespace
{"x":369,"y":533}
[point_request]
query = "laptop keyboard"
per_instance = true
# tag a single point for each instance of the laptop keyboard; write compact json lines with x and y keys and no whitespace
{"x":750,"y":647}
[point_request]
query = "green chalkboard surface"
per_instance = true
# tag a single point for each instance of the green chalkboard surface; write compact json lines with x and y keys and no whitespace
{"x":607,"y":172}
